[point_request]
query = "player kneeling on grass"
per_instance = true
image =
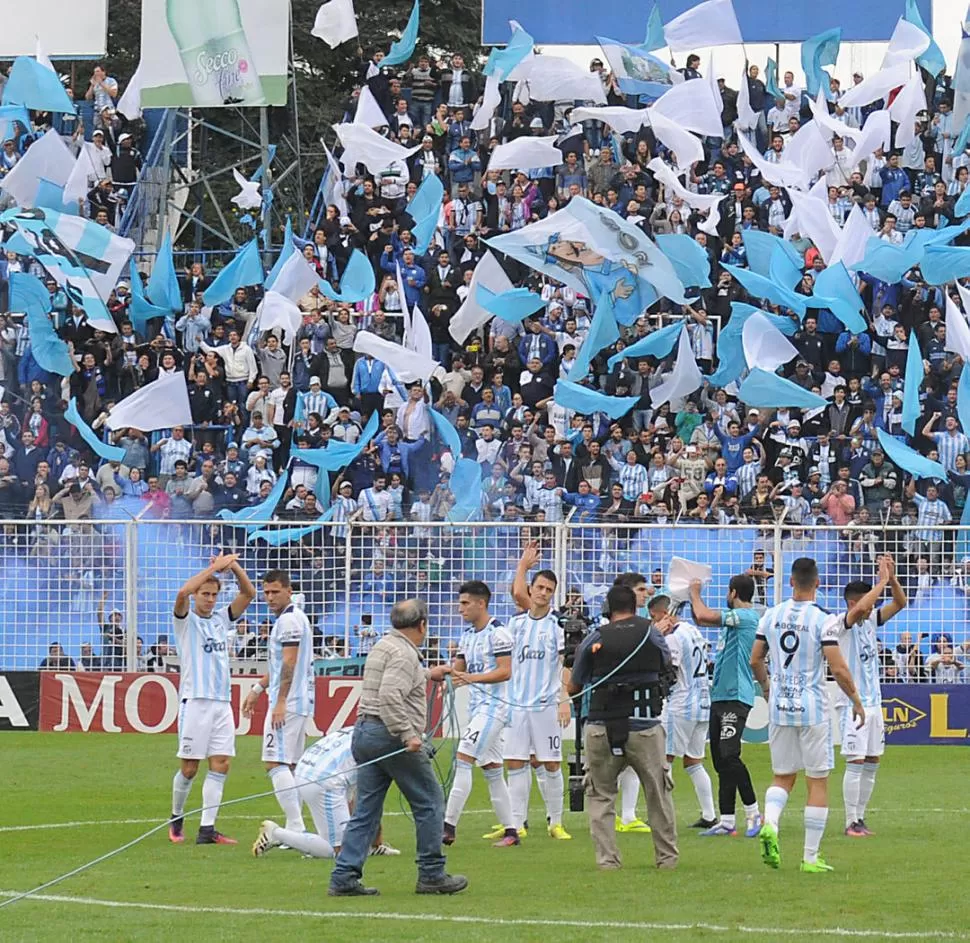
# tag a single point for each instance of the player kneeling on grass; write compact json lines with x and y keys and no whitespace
{"x":325,"y":777}
{"x":687,"y":711}
{"x":863,"y":746}
{"x":206,"y":730}
{"x":800,"y":641}
{"x":484,"y":661}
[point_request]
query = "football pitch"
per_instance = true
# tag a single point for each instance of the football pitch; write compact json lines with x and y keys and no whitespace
{"x":68,"y":798}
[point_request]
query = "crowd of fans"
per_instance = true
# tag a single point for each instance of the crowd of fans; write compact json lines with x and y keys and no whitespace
{"x":705,"y":459}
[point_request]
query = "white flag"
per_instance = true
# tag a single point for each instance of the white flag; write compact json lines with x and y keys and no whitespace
{"x":276,"y":310}
{"x":161,"y":404}
{"x":764,"y":345}
{"x":906,"y":43}
{"x":810,"y":149}
{"x":782,"y":174}
{"x":42,"y":58}
{"x":368,"y":112}
{"x":248,"y":197}
{"x":471,"y":314}
{"x":622,"y":120}
{"x":48,"y":159}
{"x":553,"y":78}
{"x":683,"y":379}
{"x":876,"y":86}
{"x":130,"y":103}
{"x":905,"y":107}
{"x":747,"y":120}
{"x":336,"y":22}
{"x":295,"y":278}
{"x":815,"y":221}
{"x":856,"y":232}
{"x":698,"y":201}
{"x":407,"y":364}
{"x":693,"y":107}
{"x":957,"y":329}
{"x":491,"y":99}
{"x":712,"y":23}
{"x":525,"y":152}
{"x":336,"y":193}
{"x":363,"y":145}
{"x":687,"y":148}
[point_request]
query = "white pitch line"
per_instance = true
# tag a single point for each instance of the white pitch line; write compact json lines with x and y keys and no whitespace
{"x":490,"y":921}
{"x":43,"y":826}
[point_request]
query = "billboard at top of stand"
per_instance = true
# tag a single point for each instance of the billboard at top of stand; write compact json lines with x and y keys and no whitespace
{"x":214,"y":53}
{"x":69,"y":29}
{"x":579,"y":22}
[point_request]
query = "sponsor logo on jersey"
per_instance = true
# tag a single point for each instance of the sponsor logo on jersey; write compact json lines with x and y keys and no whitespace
{"x":211,"y":645}
{"x":528,"y":654}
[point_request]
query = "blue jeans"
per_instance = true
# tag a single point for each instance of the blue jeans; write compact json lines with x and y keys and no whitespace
{"x":237,"y":391}
{"x":415,"y":777}
{"x":422,"y":112}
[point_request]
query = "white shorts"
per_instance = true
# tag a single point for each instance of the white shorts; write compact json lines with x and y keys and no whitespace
{"x":287,"y":744}
{"x":328,"y":807}
{"x":534,"y":733}
{"x":685,"y":737}
{"x":482,"y":738}
{"x":868,"y":740}
{"x":801,"y":748}
{"x":206,"y":728}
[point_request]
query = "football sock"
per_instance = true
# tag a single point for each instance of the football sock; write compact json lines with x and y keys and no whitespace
{"x":460,"y":791}
{"x":181,"y":787}
{"x":308,"y":842}
{"x":866,"y":786}
{"x":705,"y":791}
{"x":851,"y":786}
{"x":815,"y":818}
{"x":498,"y":792}
{"x":775,"y":801}
{"x":728,"y":821}
{"x":287,"y":796}
{"x":212,"y":787}
{"x":629,"y":784}
{"x":554,"y":796}
{"x":520,"y":784}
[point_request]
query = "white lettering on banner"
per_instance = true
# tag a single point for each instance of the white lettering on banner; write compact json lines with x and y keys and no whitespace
{"x":171,"y":701}
{"x":104,"y":699}
{"x":10,"y":708}
{"x":354,"y":688}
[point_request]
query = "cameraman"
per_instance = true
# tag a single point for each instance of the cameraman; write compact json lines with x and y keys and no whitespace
{"x":623,"y":725}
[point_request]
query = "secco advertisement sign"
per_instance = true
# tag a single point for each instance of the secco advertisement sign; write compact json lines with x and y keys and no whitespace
{"x":214,"y":53}
{"x":69,"y":29}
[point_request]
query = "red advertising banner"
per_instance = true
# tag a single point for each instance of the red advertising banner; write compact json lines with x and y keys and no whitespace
{"x":149,"y":703}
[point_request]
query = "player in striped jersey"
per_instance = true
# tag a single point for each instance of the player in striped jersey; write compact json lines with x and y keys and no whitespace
{"x":863,"y":747}
{"x":484,"y":660}
{"x":800,"y":640}
{"x":539,"y":694}
{"x":687,"y":711}
{"x":203,"y":639}
{"x":326,"y":779}
{"x":289,"y":684}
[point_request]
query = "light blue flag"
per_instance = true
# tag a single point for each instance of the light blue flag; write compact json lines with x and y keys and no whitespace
{"x":466,"y":486}
{"x":110,"y":453}
{"x":760,"y":287}
{"x":602,"y":333}
{"x":690,"y":261}
{"x":28,"y":294}
{"x":338,"y":455}
{"x":942,"y":264}
{"x":447,"y":433}
{"x":912,"y":382}
{"x":258,"y":513}
{"x":771,"y":79}
{"x":163,"y":285}
{"x":10,"y":114}
{"x":403,"y":49}
{"x":278,"y":536}
{"x":764,"y":389}
{"x":932,"y":59}
{"x":356,"y":283}
{"x":423,"y":232}
{"x":51,"y":196}
{"x":818,"y":51}
{"x":835,"y":290}
{"x":141,"y":310}
{"x":658,"y":344}
{"x":963,"y":400}
{"x":583,"y":400}
{"x":890,"y":263}
{"x":655,"y":31}
{"x":427,"y":198}
{"x":34,"y":86}
{"x":637,"y":72}
{"x":501,"y":62}
{"x":286,"y":250}
{"x":244,"y":270}
{"x":512,"y":305}
{"x":962,"y":207}
{"x":761,"y":248}
{"x":730,"y":346}
{"x":901,"y":455}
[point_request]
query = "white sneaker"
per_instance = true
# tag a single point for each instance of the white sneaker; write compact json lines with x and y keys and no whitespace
{"x":263,"y":841}
{"x":384,"y":849}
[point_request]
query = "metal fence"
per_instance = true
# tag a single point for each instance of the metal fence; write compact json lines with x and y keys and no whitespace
{"x":103,"y":591}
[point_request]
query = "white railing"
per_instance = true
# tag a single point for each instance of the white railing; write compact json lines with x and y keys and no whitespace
{"x":58,"y":575}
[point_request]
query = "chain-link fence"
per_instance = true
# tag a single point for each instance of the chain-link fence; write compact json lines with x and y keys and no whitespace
{"x":99,"y":595}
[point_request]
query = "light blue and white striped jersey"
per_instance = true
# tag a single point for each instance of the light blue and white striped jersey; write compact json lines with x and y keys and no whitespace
{"x":861,"y":652}
{"x":480,"y":650}
{"x":291,"y":628}
{"x":796,"y":633}
{"x":329,"y":761}
{"x":537,"y":645}
{"x":203,"y":647}
{"x":950,"y":446}
{"x":690,"y":697}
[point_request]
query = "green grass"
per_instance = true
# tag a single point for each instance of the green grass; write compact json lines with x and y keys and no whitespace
{"x":909,"y":879}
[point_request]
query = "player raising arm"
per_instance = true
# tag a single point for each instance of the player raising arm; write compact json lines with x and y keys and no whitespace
{"x":862,"y":747}
{"x":800,"y":639}
{"x":206,"y":730}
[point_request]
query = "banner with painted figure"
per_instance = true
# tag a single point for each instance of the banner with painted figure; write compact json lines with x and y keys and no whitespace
{"x":214,"y":54}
